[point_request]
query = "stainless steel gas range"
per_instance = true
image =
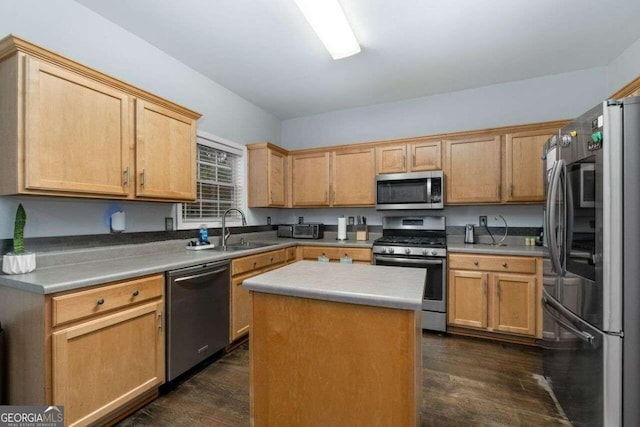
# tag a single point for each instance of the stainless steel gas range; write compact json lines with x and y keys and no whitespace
{"x":418,"y":241}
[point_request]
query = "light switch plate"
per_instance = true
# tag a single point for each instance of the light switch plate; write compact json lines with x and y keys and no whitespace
{"x":482,"y":220}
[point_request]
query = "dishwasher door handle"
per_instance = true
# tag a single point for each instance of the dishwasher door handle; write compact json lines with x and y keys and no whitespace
{"x":195,"y":276}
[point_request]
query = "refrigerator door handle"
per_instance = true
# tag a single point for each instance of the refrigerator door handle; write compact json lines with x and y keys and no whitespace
{"x":548,"y":301}
{"x":552,"y":237}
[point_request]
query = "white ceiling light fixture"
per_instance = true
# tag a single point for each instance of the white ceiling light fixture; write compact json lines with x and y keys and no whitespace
{"x":328,"y":20}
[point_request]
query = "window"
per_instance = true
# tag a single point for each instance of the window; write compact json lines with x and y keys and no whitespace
{"x":219,"y":180}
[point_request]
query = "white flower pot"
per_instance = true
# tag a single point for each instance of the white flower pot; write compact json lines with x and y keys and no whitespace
{"x":18,"y":264}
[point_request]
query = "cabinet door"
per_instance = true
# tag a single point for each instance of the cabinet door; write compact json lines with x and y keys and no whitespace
{"x":353,"y":177}
{"x":426,"y":156}
{"x":276,"y":178}
{"x":311,"y":179}
{"x":468,"y":298}
{"x":165,"y":153}
{"x":102,"y":364}
{"x":523,"y":166}
{"x":391,"y":158}
{"x":240,"y":307}
{"x":76,"y":132}
{"x":472,"y":170}
{"x":514,"y":306}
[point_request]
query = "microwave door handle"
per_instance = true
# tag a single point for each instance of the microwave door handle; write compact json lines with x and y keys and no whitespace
{"x":570,"y":215}
{"x":428,"y":190}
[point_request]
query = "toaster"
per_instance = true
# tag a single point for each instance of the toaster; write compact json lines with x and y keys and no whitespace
{"x":285,"y":230}
{"x":308,"y":231}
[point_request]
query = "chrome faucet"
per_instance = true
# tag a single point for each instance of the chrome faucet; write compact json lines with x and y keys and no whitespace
{"x":225,"y":231}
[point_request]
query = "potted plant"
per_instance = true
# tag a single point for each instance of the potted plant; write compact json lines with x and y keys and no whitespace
{"x":19,"y":261}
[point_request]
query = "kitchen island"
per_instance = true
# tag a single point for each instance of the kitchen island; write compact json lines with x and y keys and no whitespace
{"x":336,"y":344}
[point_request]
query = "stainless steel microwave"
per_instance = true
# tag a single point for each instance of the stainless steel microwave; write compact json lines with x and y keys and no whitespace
{"x":413,"y":190}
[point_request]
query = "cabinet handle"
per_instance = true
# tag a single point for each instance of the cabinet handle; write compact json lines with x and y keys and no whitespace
{"x":271,"y":195}
{"x":271,"y":260}
{"x":475,"y":263}
{"x":254,"y":264}
{"x":505,"y":265}
{"x":484,"y":286}
{"x":511,"y":190}
{"x":497,"y":289}
{"x":100,"y":301}
{"x":142,"y":180}
{"x":136,"y":293}
{"x":126,"y":177}
{"x":160,"y":320}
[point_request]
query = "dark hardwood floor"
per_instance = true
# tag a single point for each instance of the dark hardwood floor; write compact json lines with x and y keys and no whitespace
{"x":466,"y":382}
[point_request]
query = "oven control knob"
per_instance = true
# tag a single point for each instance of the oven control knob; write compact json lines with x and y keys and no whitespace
{"x":407,"y":251}
{"x":383,"y":250}
{"x":390,"y":250}
{"x":433,"y":252}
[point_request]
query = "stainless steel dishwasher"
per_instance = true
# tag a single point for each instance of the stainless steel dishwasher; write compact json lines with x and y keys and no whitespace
{"x":197,"y":315}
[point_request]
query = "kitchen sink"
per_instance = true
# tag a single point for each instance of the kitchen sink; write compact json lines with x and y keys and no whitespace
{"x":243,"y":246}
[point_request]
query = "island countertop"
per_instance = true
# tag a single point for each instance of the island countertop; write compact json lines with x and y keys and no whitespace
{"x":374,"y":285}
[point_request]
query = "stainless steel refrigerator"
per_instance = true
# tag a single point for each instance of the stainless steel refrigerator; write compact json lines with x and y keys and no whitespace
{"x":591,"y":298}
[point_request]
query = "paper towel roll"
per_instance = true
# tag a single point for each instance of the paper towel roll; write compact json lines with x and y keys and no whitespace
{"x":342,"y":228}
{"x":117,"y":222}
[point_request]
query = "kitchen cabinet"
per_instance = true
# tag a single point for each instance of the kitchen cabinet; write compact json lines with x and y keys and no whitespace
{"x":523,"y":165}
{"x":241,"y":269}
{"x":414,"y":156}
{"x":165,"y":153}
{"x":310,"y":179}
{"x":69,"y":130}
{"x":267,"y":175}
{"x":358,"y":255}
{"x":99,"y":352}
{"x":496,"y":294}
{"x":353,"y":177}
{"x":472,"y":169}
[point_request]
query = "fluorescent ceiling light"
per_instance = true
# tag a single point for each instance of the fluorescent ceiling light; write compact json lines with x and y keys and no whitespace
{"x":328,"y":21}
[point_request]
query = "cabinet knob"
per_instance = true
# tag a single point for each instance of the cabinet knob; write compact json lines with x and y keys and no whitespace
{"x":475,"y":263}
{"x":254,"y":263}
{"x":136,"y":293}
{"x":100,"y":301}
{"x":271,"y":260}
{"x":504,"y":265}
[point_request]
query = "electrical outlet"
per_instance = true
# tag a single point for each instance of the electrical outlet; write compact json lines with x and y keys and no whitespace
{"x":483,"y":220}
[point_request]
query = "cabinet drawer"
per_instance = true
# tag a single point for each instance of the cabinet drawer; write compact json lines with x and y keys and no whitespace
{"x":492,"y":263}
{"x":335,"y":253}
{"x":254,"y":262}
{"x":79,"y":305}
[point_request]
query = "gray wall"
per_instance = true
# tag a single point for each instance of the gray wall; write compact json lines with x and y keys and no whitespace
{"x":70,"y":29}
{"x":624,"y":69}
{"x":546,"y":98}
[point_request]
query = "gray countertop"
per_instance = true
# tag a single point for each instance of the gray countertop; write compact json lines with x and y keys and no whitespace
{"x":350,"y":283}
{"x":71,"y":270}
{"x":510,"y":249}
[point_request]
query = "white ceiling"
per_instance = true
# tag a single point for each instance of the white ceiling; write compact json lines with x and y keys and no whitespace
{"x":265,"y":51}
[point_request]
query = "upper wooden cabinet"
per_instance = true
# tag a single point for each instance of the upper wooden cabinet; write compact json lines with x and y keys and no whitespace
{"x":165,"y":153}
{"x":69,"y":130}
{"x":414,"y":156}
{"x":267,"y":175}
{"x":472,"y":170}
{"x":523,"y":166}
{"x":310,"y":181}
{"x":353,"y":173}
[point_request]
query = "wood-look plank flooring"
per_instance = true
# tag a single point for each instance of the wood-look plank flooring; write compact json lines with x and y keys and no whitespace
{"x":466,"y":382}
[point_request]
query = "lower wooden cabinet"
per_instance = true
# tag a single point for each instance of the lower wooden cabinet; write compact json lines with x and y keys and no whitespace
{"x":358,"y":255}
{"x":100,"y":352}
{"x":494,"y":300}
{"x":101,"y":365}
{"x":242,"y":269}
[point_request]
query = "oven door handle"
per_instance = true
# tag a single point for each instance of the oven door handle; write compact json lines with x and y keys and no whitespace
{"x":409,"y":260}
